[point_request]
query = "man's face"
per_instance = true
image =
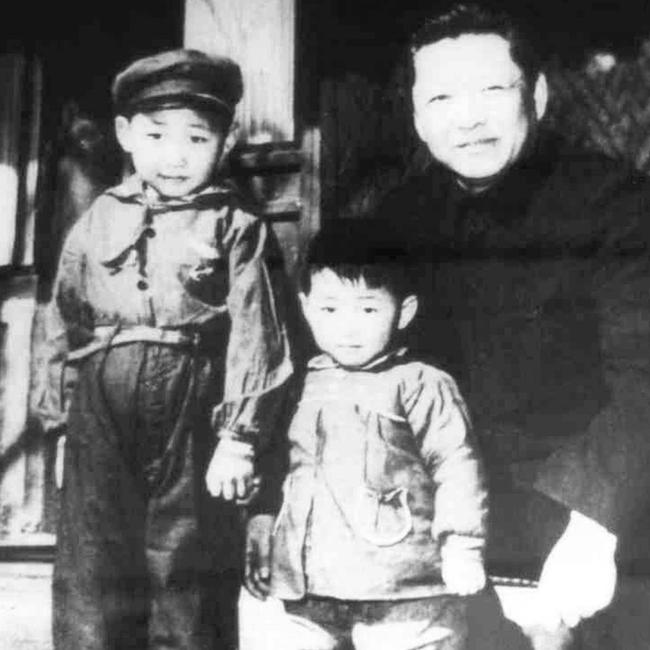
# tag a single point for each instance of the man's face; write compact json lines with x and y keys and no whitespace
{"x":472,"y":106}
{"x":174,"y":149}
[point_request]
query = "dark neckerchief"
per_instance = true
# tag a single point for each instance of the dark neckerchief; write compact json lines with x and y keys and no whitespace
{"x":135,"y":193}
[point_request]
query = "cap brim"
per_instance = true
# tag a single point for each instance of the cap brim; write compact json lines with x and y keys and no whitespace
{"x":179,"y":100}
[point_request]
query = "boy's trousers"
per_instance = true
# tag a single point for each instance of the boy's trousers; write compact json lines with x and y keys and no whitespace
{"x":439,"y":623}
{"x":145,"y":558}
{"x":422,"y":624}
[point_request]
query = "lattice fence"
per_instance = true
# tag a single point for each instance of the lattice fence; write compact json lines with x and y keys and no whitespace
{"x":606,"y":106}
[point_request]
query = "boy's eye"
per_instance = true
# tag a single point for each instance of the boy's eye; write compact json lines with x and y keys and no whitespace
{"x":198,"y":139}
{"x":438,"y":99}
{"x":328,"y":309}
{"x":154,"y":135}
{"x":369,"y":310}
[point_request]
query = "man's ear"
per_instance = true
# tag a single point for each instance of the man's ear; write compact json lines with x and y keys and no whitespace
{"x":417,"y":124}
{"x":123,"y":132}
{"x":407,"y":311}
{"x":540,"y":96}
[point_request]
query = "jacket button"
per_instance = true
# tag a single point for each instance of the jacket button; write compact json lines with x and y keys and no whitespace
{"x":142,"y":285}
{"x":149,"y":232}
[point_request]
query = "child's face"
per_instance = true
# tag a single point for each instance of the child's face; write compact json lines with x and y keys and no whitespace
{"x":352,"y":322}
{"x":174,"y":150}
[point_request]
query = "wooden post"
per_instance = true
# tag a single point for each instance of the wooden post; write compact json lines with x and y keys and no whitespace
{"x":277,"y":160}
{"x":260,"y":36}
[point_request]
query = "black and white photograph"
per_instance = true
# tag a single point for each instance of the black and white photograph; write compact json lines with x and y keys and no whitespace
{"x":325,"y":325}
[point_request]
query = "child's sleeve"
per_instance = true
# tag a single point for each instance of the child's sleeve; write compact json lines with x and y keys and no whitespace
{"x":258,"y":360}
{"x":66,"y":311}
{"x":440,"y":422}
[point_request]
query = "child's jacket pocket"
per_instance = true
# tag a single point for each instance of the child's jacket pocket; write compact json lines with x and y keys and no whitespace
{"x":383,"y":518}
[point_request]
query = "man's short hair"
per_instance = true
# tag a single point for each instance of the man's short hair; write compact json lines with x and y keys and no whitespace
{"x":473,"y":18}
{"x":368,"y":249}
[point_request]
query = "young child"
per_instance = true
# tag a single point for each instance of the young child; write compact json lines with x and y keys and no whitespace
{"x":382,"y":527}
{"x":163,"y":308}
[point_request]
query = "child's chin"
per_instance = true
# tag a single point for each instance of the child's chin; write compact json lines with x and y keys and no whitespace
{"x":352,"y":361}
{"x":167,"y":193}
{"x":174,"y":190}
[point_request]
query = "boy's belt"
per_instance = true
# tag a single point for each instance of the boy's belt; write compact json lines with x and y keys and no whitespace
{"x":111,"y":336}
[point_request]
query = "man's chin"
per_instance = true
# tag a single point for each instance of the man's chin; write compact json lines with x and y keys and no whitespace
{"x":477,"y":178}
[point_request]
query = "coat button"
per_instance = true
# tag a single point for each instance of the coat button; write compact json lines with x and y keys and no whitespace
{"x":143,"y":285}
{"x":149,"y":232}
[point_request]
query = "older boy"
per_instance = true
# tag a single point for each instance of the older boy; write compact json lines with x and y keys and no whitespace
{"x":164,"y":307}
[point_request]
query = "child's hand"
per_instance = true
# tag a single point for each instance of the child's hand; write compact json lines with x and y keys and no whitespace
{"x":463,"y":574}
{"x":257,"y":573}
{"x":230,"y":473}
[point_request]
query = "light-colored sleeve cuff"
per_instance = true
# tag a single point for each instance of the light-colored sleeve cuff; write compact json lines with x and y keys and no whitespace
{"x":585,"y":530}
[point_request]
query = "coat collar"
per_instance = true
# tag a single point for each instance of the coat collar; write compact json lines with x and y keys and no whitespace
{"x":138,"y":205}
{"x":513,"y":189}
{"x":325,"y":362}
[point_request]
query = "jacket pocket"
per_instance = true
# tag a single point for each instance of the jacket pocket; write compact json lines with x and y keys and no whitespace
{"x":206,"y":281}
{"x":384,"y":517}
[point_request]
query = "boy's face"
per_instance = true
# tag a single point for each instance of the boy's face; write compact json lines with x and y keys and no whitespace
{"x":175,"y":150}
{"x":352,"y":322}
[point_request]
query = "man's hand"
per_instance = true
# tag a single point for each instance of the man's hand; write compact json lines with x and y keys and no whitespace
{"x":579,"y":575}
{"x":230,"y":473}
{"x":257,"y":574}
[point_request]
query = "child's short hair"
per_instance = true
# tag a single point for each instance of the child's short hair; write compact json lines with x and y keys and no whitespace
{"x":179,"y":78}
{"x":372,"y":250}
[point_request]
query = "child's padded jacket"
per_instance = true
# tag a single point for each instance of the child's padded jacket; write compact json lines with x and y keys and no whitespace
{"x":383,"y":470}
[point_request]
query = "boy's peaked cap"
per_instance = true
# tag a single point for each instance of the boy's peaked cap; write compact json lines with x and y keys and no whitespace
{"x":177,"y":74}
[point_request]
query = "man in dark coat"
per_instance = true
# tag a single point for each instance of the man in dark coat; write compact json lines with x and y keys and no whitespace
{"x":538,"y":287}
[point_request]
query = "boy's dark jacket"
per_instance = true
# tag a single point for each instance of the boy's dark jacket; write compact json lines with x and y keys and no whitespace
{"x":133,"y":270}
{"x":537,"y":300}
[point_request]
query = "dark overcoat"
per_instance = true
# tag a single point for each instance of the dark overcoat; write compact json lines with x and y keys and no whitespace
{"x":536,"y":298}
